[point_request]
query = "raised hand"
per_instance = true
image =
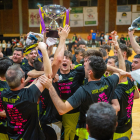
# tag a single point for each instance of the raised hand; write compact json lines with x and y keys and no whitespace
{"x":63,"y":32}
{"x":42,"y":46}
{"x":45,"y":81}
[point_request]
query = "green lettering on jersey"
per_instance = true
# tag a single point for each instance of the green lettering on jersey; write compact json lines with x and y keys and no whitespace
{"x":99,"y":90}
{"x":131,"y":90}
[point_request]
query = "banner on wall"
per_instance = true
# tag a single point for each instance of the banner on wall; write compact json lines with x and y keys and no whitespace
{"x":76,"y":17}
{"x":135,"y":15}
{"x":34,"y":18}
{"x":90,"y":16}
{"x":123,"y":15}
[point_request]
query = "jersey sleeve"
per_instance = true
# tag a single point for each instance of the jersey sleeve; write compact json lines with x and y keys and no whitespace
{"x":113,"y":81}
{"x":77,"y":98}
{"x":32,"y":93}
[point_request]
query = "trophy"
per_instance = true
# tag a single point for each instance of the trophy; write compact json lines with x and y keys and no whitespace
{"x":53,"y":12}
{"x":135,"y":25}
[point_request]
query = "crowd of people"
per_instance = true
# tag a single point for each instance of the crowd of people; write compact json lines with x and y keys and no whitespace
{"x":85,"y":96}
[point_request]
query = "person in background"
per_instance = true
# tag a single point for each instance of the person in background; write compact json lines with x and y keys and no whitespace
{"x":79,"y":38}
{"x":109,"y":39}
{"x":79,"y":54}
{"x":93,"y":37}
{"x":98,"y":40}
{"x":8,"y":48}
{"x":122,"y":39}
{"x":0,"y":45}
{"x":19,"y":45}
{"x":74,"y":38}
{"x":126,"y":52}
{"x":70,"y":45}
{"x":106,"y":38}
{"x":104,"y":53}
{"x":80,"y":44}
{"x":107,"y":48}
{"x":89,"y":39}
{"x":51,"y":57}
{"x":138,"y":39}
{"x":127,"y":41}
{"x":102,"y":39}
{"x":21,"y":38}
{"x":4,"y":47}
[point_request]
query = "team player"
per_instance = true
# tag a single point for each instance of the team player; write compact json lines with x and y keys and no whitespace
{"x":125,"y":93}
{"x":20,"y":103}
{"x":95,"y":90}
{"x":5,"y":63}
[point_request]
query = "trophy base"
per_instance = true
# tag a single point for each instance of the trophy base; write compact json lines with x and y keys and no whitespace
{"x":52,"y":33}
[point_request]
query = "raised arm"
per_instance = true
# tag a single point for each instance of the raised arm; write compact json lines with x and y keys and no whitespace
{"x":59,"y":54}
{"x":62,"y":107}
{"x":134,"y":44}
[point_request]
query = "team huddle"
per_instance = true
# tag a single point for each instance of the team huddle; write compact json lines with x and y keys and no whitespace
{"x":43,"y":97}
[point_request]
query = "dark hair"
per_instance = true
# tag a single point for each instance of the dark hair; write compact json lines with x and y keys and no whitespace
{"x":106,"y":47}
{"x":113,"y":57}
{"x":137,"y":56}
{"x":68,"y":54}
{"x":103,"y":51}
{"x":38,"y":63}
{"x":101,"y":120}
{"x":51,"y":56}
{"x":98,"y":66}
{"x":79,"y":50}
{"x":129,"y":53}
{"x":92,"y":52}
{"x":126,"y":65}
{"x":123,"y":47}
{"x":19,"y":49}
{"x":13,"y":75}
{"x":5,"y":63}
{"x":81,"y":42}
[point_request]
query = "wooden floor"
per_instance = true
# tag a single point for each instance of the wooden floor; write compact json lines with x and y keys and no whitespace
{"x":136,"y":120}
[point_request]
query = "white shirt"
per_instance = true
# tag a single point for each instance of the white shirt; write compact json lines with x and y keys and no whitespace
{"x":3,"y":45}
{"x":8,"y":45}
{"x":106,"y":38}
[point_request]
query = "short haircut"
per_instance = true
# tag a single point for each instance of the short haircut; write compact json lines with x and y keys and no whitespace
{"x":92,"y":52}
{"x":19,"y":49}
{"x":123,"y":47}
{"x":106,"y":47}
{"x":98,"y":66}
{"x":126,"y":65}
{"x":5,"y":63}
{"x":14,"y":74}
{"x":38,"y":63}
{"x":101,"y":120}
{"x":113,"y":57}
{"x":68,"y":54}
{"x":129,"y":53}
{"x":51,"y":56}
{"x":137,"y":56}
{"x":103,"y":51}
{"x":79,"y":50}
{"x":81,"y":42}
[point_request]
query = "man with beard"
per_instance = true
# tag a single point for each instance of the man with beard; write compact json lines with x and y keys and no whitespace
{"x":29,"y":66}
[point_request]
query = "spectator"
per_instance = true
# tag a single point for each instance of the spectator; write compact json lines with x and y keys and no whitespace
{"x":21,"y":38}
{"x":74,"y":38}
{"x":79,"y":38}
{"x":106,"y":38}
{"x":0,"y":44}
{"x":98,"y":40}
{"x":4,"y":47}
{"x":127,"y":40}
{"x":89,"y":39}
{"x":8,"y":48}
{"x":102,"y":39}
{"x":109,"y":39}
{"x":93,"y":37}
{"x":138,"y":39}
{"x":70,"y":45}
{"x":122,"y":39}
